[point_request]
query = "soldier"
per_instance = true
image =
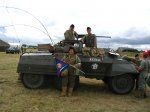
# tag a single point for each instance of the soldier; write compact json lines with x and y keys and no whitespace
{"x":70,"y":34}
{"x":89,"y":39}
{"x":137,"y":62}
{"x":90,"y":43}
{"x":69,"y":74}
{"x":144,"y":69}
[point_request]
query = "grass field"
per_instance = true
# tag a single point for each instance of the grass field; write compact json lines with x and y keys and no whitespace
{"x":92,"y":96}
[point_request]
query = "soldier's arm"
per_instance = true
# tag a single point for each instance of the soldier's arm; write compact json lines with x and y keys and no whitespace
{"x":75,"y":34}
{"x":95,"y":41}
{"x":64,"y":58}
{"x":78,"y":62}
{"x":83,"y":40}
{"x":142,"y":65}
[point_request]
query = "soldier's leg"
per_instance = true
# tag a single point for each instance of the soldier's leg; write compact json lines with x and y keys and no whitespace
{"x":71,"y":82}
{"x":85,"y":52}
{"x":141,"y":89}
{"x":145,"y":90}
{"x":64,"y":83}
{"x":137,"y":82}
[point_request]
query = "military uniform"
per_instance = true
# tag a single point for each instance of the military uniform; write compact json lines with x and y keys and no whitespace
{"x":90,"y":40}
{"x":69,"y":75}
{"x":70,"y":35}
{"x":145,"y":67}
{"x":137,"y":64}
{"x":90,"y":46}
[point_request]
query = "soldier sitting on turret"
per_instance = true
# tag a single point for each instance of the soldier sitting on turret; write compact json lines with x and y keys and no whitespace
{"x":70,"y":34}
{"x":90,"y":44}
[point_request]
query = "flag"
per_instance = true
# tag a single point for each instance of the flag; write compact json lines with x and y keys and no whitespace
{"x":61,"y":66}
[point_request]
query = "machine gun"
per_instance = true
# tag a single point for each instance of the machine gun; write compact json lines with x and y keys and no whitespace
{"x":82,"y":35}
{"x":63,"y":45}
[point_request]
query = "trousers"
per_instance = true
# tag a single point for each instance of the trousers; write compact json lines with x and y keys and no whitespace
{"x":69,"y":79}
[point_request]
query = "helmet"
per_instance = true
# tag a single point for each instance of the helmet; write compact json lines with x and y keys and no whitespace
{"x":145,"y":54}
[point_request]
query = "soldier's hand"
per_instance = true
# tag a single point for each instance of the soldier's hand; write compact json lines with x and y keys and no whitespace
{"x":59,"y":65}
{"x":77,"y":65}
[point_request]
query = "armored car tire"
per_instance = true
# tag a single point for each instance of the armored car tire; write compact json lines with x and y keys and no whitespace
{"x":32,"y":81}
{"x":122,"y":84}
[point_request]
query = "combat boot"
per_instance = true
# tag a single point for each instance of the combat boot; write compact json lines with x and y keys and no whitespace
{"x":70,"y":92}
{"x":137,"y":94}
{"x":142,"y":94}
{"x":63,"y":92}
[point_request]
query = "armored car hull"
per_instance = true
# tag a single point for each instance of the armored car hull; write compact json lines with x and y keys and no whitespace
{"x":119,"y":74}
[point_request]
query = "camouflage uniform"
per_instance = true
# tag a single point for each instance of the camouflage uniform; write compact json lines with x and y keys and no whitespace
{"x":69,"y":75}
{"x":137,"y":64}
{"x":90,"y":40}
{"x":90,"y":45}
{"x":23,"y":49}
{"x":143,"y":76}
{"x":70,"y":35}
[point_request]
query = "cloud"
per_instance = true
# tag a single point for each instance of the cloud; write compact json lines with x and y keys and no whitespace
{"x":126,"y":21}
{"x":133,"y":36}
{"x":2,"y":29}
{"x":118,"y":40}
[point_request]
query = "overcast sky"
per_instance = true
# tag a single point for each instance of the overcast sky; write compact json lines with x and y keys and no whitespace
{"x":126,"y":21}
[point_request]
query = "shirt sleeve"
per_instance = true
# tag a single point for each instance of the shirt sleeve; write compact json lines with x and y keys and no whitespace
{"x":95,"y":41}
{"x":142,"y":65}
{"x":64,"y":58}
{"x":75,"y":34}
{"x":78,"y":60}
{"x":84,"y":39}
{"x":66,"y":34}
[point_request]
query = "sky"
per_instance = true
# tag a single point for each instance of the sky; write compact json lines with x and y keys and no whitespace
{"x":126,"y":21}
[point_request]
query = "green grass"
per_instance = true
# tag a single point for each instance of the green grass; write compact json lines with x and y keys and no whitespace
{"x":92,"y":96}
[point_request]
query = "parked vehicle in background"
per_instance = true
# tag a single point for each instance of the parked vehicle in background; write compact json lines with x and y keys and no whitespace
{"x":13,"y":50}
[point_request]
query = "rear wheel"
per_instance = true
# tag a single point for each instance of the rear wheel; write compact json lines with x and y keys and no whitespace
{"x":122,"y":84}
{"x":32,"y":81}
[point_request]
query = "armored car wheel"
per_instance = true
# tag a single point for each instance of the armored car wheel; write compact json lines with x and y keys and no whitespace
{"x":122,"y":84}
{"x":32,"y":81}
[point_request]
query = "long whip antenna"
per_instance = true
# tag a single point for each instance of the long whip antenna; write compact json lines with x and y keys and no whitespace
{"x":33,"y":17}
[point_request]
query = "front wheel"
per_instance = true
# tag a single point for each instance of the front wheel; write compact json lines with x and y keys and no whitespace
{"x":32,"y":81}
{"x":122,"y":84}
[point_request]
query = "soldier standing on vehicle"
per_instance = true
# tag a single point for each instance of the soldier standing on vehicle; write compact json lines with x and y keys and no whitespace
{"x":69,"y":74}
{"x":144,"y":70}
{"x":70,"y":34}
{"x":90,"y":42}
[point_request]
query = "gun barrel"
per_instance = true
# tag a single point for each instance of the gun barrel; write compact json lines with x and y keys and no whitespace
{"x":104,"y":36}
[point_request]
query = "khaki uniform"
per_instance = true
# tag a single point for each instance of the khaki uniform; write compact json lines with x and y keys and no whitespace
{"x":143,"y":77}
{"x":90,"y":46}
{"x":23,"y":49}
{"x":137,"y":64}
{"x":69,"y":75}
{"x":145,"y":65}
{"x":70,"y":35}
{"x":90,"y":40}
